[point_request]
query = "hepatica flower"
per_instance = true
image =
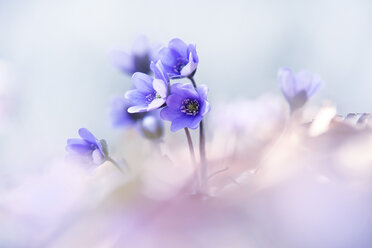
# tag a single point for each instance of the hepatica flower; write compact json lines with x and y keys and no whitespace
{"x":186,"y":106}
{"x":138,"y":60}
{"x":149,"y":93}
{"x":179,"y":60}
{"x":88,"y":147}
{"x":297,"y":89}
{"x":119,"y":113}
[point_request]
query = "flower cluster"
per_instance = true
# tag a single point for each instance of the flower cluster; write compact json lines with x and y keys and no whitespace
{"x":183,"y":104}
{"x":88,"y":147}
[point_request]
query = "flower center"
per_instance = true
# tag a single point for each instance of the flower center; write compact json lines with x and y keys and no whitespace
{"x":180,"y":63}
{"x":190,"y":107}
{"x":150,"y":97}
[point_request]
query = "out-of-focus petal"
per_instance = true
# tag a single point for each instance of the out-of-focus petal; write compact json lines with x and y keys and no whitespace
{"x":98,"y":157}
{"x":287,"y":82}
{"x":123,"y":61}
{"x":87,"y":135}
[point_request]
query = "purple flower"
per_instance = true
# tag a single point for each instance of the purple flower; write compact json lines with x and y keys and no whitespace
{"x":179,"y":60}
{"x":119,"y":113}
{"x":88,"y":147}
{"x":149,"y":93}
{"x":297,"y":89}
{"x":136,"y":61}
{"x":186,"y":106}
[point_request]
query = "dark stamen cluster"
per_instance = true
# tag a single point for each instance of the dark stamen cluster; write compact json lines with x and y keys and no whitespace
{"x":190,"y":107}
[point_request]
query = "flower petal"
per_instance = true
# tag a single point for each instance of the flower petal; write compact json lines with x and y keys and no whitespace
{"x":156,"y":103}
{"x":98,"y":157}
{"x":191,"y":49}
{"x":195,"y":123}
{"x":179,"y":46}
{"x":181,"y":122}
{"x":159,"y":71}
{"x":81,"y":149}
{"x":136,"y":97}
{"x":138,"y":109}
{"x":87,"y":135}
{"x":203,"y":91}
{"x":189,"y":68}
{"x":170,"y":114}
{"x":205,"y":108}
{"x":160,"y":87}
{"x":287,"y":82}
{"x":174,"y":101}
{"x":142,"y":82}
{"x":167,"y":57}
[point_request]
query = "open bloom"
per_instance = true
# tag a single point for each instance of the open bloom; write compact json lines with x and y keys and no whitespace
{"x":88,"y":147}
{"x":149,"y":93}
{"x":138,"y":60}
{"x":179,"y":60}
{"x":297,"y":89}
{"x":119,"y":113}
{"x":186,"y":106}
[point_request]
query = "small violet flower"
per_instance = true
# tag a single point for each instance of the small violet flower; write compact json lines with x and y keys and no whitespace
{"x":119,"y":113}
{"x":297,"y":89}
{"x":138,"y":60}
{"x":186,"y":106}
{"x":149,"y":93}
{"x":179,"y":60}
{"x":88,"y":147}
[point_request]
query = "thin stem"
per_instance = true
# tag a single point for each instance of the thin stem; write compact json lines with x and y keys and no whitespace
{"x":203,"y":159}
{"x":192,"y":155}
{"x":191,"y":145}
{"x":116,"y":164}
{"x":193,"y":81}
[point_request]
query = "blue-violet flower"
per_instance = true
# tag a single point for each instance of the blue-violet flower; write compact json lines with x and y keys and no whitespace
{"x":149,"y":93}
{"x":88,"y":147}
{"x":138,"y":60}
{"x":186,"y":106}
{"x":297,"y":89}
{"x":179,"y":60}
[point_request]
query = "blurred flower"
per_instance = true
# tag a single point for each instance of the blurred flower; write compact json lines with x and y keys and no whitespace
{"x":186,"y":106}
{"x":149,"y":93}
{"x":297,"y":89}
{"x":138,"y":60}
{"x":119,"y":113}
{"x":151,"y":126}
{"x":88,"y":147}
{"x":179,"y":60}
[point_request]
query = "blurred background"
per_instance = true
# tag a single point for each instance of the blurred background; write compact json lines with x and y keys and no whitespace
{"x":56,"y":75}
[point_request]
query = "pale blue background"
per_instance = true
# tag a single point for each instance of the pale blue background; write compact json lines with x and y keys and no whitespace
{"x":59,"y":50}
